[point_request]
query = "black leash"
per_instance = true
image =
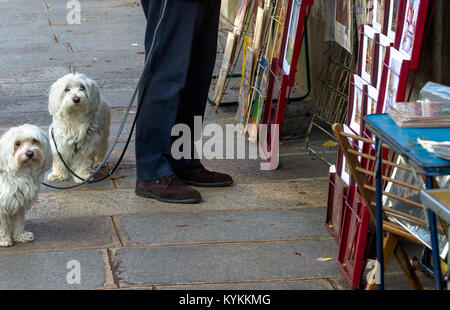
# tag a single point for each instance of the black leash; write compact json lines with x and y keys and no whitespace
{"x":139,"y":104}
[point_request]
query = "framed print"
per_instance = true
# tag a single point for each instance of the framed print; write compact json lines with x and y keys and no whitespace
{"x":247,"y":69}
{"x":382,"y":42}
{"x":258,"y":31}
{"x":355,"y":103}
{"x":394,"y":80}
{"x":240,"y":15}
{"x":409,"y":39}
{"x":343,"y":24}
{"x":293,"y":37}
{"x":228,"y":58}
{"x":279,"y":21}
{"x":292,"y":33}
{"x":342,"y":167}
{"x":366,"y":53}
{"x":370,"y":97}
{"x":363,"y":12}
{"x":393,"y":25}
{"x":258,"y":97}
{"x":379,"y":13}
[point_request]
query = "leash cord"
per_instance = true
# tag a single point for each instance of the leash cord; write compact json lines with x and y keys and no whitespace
{"x":144,"y":73}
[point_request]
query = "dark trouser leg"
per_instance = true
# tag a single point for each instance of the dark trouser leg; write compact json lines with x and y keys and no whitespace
{"x":166,"y":82}
{"x":195,"y":94}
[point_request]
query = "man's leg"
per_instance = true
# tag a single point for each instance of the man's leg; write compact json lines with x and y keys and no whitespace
{"x":195,"y":94}
{"x":166,"y":81}
{"x":194,"y":99}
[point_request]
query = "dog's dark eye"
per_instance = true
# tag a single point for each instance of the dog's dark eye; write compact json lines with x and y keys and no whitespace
{"x":67,"y":90}
{"x":35,"y":141}
{"x":18,"y":143}
{"x":82,"y":87}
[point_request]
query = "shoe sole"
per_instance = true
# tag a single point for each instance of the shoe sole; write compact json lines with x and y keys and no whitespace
{"x":221,"y":184}
{"x":150,"y":195}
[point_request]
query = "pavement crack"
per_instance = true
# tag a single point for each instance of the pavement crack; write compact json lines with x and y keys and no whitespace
{"x":68,"y":46}
{"x":56,"y":38}
{"x":116,"y":230}
{"x":114,"y":265}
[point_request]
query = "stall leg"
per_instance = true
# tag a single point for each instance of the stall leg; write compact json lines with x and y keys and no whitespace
{"x":379,"y":214}
{"x":434,"y":241}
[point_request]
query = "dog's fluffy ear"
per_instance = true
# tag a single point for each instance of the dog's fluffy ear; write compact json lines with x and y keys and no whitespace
{"x":35,"y":132}
{"x":3,"y":154}
{"x":45,"y":145}
{"x":54,"y":97}
{"x":7,"y":150}
{"x":93,"y":93}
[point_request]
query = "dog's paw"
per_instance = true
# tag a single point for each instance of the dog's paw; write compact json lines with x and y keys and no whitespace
{"x":6,"y":242}
{"x":83,"y":175}
{"x":55,"y":177}
{"x":27,"y":236}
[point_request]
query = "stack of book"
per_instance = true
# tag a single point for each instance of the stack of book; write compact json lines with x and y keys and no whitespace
{"x":420,"y":114}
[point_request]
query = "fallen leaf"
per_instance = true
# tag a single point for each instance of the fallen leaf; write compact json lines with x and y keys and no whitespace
{"x":85,"y":20}
{"x":228,"y":221}
{"x":141,"y":52}
{"x":60,"y":24}
{"x":410,"y":142}
{"x":324,"y":259}
{"x":117,"y":176}
{"x":330,"y":143}
{"x":298,"y":253}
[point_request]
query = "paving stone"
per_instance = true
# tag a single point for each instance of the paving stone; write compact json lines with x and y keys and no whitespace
{"x":225,"y":226}
{"x":48,"y":271}
{"x":320,"y":284}
{"x":30,"y":74}
{"x":129,"y":157}
{"x":66,"y":234}
{"x":10,"y":119}
{"x":106,"y":71}
{"x":117,"y":99}
{"x":86,"y":202}
{"x":93,"y":42}
{"x":40,"y":43}
{"x":23,"y":15}
{"x":24,"y":104}
{"x":243,"y":171}
{"x":290,"y":167}
{"x":110,"y":58}
{"x":117,"y":84}
{"x":64,"y":58}
{"x":220,"y":263}
{"x":24,"y":89}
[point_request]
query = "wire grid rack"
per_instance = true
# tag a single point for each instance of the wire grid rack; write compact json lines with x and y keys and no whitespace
{"x":331,"y":106}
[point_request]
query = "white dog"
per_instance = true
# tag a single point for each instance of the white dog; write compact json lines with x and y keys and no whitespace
{"x":25,"y":155}
{"x":81,"y":120}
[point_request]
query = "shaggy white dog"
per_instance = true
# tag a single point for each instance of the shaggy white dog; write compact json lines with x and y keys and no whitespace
{"x":25,"y":155}
{"x":81,"y":120}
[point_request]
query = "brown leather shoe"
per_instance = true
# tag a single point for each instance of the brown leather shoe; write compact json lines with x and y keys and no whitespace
{"x":168,"y":189}
{"x":199,"y":176}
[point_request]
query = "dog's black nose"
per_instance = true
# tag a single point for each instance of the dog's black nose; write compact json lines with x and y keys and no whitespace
{"x":29,"y":154}
{"x":76,"y":99}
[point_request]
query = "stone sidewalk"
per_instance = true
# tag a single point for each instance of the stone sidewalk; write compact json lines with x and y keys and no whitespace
{"x":265,"y":232}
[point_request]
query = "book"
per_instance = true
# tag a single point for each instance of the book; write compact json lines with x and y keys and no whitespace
{"x":420,"y":114}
